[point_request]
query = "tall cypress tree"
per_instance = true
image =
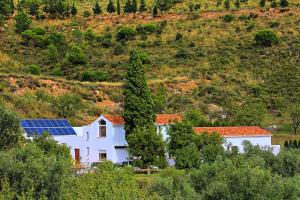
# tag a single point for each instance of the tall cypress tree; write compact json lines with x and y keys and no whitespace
{"x":97,"y":9}
{"x":138,"y":103}
{"x":142,"y":6}
{"x":73,"y":9}
{"x":134,"y":6}
{"x":118,"y":7}
{"x":111,"y":7}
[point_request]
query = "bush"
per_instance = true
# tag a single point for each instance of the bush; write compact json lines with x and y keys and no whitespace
{"x":34,"y":69}
{"x":105,"y":41}
{"x":126,"y":33}
{"x":266,"y":38}
{"x":178,"y":37}
{"x":76,"y":56}
{"x":86,"y":13}
{"x":93,"y":76}
{"x":30,"y":36}
{"x":119,"y":49}
{"x":147,"y":29}
{"x":228,"y":18}
{"x":22,"y":22}
{"x":182,"y":54}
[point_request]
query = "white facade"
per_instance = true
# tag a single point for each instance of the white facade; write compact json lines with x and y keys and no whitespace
{"x":93,"y":147}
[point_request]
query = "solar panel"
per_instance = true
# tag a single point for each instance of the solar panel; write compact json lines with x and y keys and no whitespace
{"x":54,"y":127}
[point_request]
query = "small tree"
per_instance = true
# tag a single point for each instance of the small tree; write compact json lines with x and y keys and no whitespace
{"x":134,"y":6}
{"x":6,"y":8}
{"x":295,"y":117}
{"x":219,"y":2}
{"x":227,"y":4}
{"x":142,"y":6}
{"x":266,"y":38}
{"x":22,"y":22}
{"x":111,"y":7}
{"x":273,"y":3}
{"x":155,"y":11}
{"x":97,"y":9}
{"x":262,"y":3}
{"x":283,"y":3}
{"x":73,"y":9}
{"x":127,"y":7}
{"x":10,"y":132}
{"x":86,"y":13}
{"x":118,"y":7}
{"x":188,"y":157}
{"x":237,"y":4}
{"x":76,"y":56}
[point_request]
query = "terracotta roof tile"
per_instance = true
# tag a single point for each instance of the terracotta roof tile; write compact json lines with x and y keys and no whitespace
{"x":234,"y":131}
{"x":161,"y":119}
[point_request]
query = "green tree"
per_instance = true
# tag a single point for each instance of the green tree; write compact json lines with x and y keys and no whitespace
{"x":284,"y":3}
{"x":164,"y":5}
{"x":227,"y":4}
{"x":73,"y":10}
{"x":196,"y":118}
{"x":295,"y":117}
{"x":127,"y":7}
{"x":187,"y":157}
{"x":266,"y":38}
{"x":6,"y":8}
{"x":111,"y":7}
{"x":76,"y":56}
{"x":134,"y":6}
{"x":262,"y":3}
{"x":118,"y":7}
{"x":237,"y":4}
{"x":155,"y":11}
{"x":10,"y":132}
{"x":138,"y":102}
{"x":22,"y":22}
{"x":143,"y":6}
{"x":67,"y":105}
{"x":54,"y":7}
{"x":97,"y":9}
{"x":52,"y":53}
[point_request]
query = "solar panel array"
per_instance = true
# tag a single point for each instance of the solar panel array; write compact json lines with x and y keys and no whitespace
{"x":54,"y":127}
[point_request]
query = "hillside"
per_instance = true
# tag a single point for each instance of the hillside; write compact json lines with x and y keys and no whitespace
{"x":195,"y":60}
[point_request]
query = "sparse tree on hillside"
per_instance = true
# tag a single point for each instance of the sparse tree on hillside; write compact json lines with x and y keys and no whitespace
{"x":127,"y":7}
{"x":155,"y":11}
{"x":10,"y":132}
{"x":142,"y":6}
{"x":134,"y":6}
{"x":295,"y":117}
{"x":97,"y":9}
{"x":111,"y":7}
{"x":227,"y":4}
{"x":262,"y":3}
{"x":237,"y":4}
{"x":22,"y":22}
{"x":118,"y":7}
{"x":283,"y":3}
{"x":73,"y":9}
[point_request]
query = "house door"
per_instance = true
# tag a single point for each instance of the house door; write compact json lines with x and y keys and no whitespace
{"x":77,"y":155}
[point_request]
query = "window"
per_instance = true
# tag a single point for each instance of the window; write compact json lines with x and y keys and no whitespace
{"x":87,"y":136}
{"x":102,"y":128}
{"x":102,"y":155}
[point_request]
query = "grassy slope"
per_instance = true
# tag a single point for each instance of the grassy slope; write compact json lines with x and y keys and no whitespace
{"x":224,"y":61}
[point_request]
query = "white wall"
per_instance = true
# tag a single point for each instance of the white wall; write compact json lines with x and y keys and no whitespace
{"x":255,"y":140}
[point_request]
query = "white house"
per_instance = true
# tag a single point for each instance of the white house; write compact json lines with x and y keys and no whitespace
{"x":105,"y":137}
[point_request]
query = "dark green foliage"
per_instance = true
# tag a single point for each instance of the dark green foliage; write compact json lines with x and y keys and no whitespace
{"x":182,"y":54}
{"x":52,"y":53}
{"x":119,"y":49}
{"x":55,"y":7}
{"x":138,"y":103}
{"x":10,"y":132}
{"x":164,"y":5}
{"x":155,"y":11}
{"x":76,"y":56}
{"x":295,"y":117}
{"x":127,"y":7}
{"x":93,"y":76}
{"x":73,"y":9}
{"x":237,"y":4}
{"x":187,"y":157}
{"x":219,"y":2}
{"x":33,"y":9}
{"x":105,"y":41}
{"x":143,"y":6}
{"x":67,"y":105}
{"x":34,"y":69}
{"x":228,"y":18}
{"x":89,"y":35}
{"x":110,"y":7}
{"x":178,"y":36}
{"x":32,"y":36}
{"x":118,"y":7}
{"x":262,"y":3}
{"x":97,"y":9}
{"x":286,"y":144}
{"x":6,"y":8}
{"x":273,"y":3}
{"x":134,"y":6}
{"x":86,"y":13}
{"x":197,"y":118}
{"x":147,"y":29}
{"x":284,"y":3}
{"x":22,"y":22}
{"x":227,"y":4}
{"x":126,"y":33}
{"x":266,"y":38}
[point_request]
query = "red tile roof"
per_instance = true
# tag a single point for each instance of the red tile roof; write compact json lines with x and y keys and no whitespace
{"x":161,"y":119}
{"x":234,"y":131}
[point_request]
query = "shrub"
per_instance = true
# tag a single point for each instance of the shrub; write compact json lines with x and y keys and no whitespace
{"x":36,"y":39}
{"x":126,"y":33}
{"x":76,"y":56}
{"x":119,"y":49}
{"x":34,"y":69}
{"x":181,"y":53}
{"x":105,"y":41}
{"x":147,"y":29}
{"x":178,"y":36}
{"x":22,"y":22}
{"x":266,"y":38}
{"x":93,"y":76}
{"x":228,"y":18}
{"x":86,"y":13}
{"x":274,"y":24}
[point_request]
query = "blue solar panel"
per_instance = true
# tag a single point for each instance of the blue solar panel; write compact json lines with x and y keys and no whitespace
{"x":54,"y":127}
